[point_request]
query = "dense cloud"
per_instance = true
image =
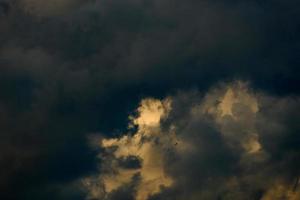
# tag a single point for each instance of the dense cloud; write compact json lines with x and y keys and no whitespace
{"x":69,"y":68}
{"x":222,"y":145}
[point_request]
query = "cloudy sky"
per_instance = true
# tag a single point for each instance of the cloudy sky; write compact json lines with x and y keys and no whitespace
{"x":149,"y":100}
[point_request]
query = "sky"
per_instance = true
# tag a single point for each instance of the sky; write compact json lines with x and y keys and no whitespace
{"x":149,"y":100}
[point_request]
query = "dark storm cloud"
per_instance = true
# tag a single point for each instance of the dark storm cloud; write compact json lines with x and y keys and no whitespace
{"x":281,"y":135}
{"x":68,"y":68}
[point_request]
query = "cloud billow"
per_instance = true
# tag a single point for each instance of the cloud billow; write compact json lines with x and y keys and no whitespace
{"x":218,"y":149}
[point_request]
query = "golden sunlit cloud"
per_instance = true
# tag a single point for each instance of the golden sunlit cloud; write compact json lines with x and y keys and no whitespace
{"x":143,"y":146}
{"x":280,"y":191}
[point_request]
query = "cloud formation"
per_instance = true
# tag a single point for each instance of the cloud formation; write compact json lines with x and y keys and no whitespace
{"x":144,"y":146}
{"x":193,"y":147}
{"x":69,"y":68}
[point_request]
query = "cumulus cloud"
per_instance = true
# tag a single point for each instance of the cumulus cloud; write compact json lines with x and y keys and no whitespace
{"x":144,"y":146}
{"x":192,"y":146}
{"x":235,"y":109}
